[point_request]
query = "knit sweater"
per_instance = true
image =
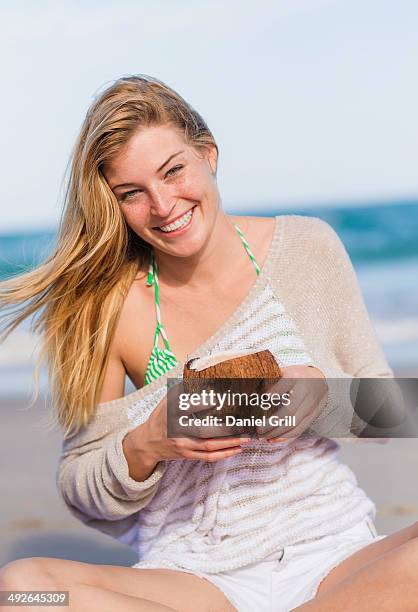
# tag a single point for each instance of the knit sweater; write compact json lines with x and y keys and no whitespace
{"x":306,"y":307}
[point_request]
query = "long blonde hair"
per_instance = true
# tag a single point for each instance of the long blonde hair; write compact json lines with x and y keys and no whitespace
{"x":78,"y":292}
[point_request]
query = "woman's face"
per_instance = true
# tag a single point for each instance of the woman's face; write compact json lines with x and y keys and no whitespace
{"x":157,"y":178}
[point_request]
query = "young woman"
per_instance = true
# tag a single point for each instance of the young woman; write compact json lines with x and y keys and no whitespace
{"x":150,"y":271}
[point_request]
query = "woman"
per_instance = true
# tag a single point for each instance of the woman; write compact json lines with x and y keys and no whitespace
{"x":149,"y":271}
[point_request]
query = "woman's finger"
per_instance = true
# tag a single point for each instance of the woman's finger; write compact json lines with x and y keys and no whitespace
{"x":212,"y":444}
{"x":305,"y":422}
{"x":211,"y":456}
{"x":281,"y":386}
{"x":308,"y":397}
{"x":294,"y":408}
{"x":305,"y":413}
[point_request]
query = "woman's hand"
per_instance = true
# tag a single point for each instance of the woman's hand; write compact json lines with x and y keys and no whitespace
{"x":150,"y":441}
{"x":306,"y":401}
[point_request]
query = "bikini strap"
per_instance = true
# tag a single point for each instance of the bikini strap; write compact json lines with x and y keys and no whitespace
{"x":247,"y":248}
{"x":153,"y":280}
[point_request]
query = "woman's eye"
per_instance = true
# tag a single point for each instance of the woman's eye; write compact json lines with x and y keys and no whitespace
{"x":174,"y":170}
{"x":128,"y":195}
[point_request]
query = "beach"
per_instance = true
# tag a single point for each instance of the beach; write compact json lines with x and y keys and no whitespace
{"x":34,"y":520}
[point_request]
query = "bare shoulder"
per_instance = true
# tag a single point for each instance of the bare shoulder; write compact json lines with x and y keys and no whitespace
{"x":252,"y":221}
{"x":258,"y":230}
{"x":135,"y":329}
{"x":130,"y":304}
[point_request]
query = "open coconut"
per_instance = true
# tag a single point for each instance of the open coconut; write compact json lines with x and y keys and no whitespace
{"x":252,"y":372}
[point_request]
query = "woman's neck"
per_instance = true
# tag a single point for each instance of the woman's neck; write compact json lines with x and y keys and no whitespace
{"x":212,"y":264}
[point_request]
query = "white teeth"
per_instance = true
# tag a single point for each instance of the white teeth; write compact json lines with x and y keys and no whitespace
{"x":183,"y":221}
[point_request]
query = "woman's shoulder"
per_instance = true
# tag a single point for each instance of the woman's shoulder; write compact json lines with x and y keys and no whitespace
{"x":310,"y":245}
{"x":257,"y":230}
{"x":252,"y":221}
{"x":303,"y":242}
{"x":135,"y":328}
{"x":315,"y":235}
{"x":297,"y":221}
{"x":296,"y":229}
{"x":306,"y":231}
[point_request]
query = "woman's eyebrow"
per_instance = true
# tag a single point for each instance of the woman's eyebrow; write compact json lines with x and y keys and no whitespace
{"x":169,"y":159}
{"x":159,"y":170}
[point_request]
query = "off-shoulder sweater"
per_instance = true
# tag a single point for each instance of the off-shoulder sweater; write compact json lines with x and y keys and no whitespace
{"x":305,"y":306}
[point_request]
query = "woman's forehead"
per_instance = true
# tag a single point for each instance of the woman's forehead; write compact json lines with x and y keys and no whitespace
{"x":149,"y":148}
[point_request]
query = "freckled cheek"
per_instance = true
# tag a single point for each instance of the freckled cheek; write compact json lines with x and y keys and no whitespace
{"x":193,"y":188}
{"x":135,"y":217}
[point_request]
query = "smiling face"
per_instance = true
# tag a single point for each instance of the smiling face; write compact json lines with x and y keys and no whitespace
{"x":158,"y":178}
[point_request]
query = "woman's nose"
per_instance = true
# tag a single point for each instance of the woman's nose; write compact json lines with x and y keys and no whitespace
{"x":161,"y":202}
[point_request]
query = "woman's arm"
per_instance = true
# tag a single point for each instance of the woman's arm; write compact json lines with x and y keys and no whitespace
{"x":354,"y":341}
{"x":94,"y":477}
{"x":318,"y":285}
{"x":114,"y":381}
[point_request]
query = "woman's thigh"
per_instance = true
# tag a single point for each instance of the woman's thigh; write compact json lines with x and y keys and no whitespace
{"x":180,"y":590}
{"x":366,"y":555}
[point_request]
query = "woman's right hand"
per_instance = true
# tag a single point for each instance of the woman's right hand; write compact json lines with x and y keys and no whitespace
{"x":150,"y":444}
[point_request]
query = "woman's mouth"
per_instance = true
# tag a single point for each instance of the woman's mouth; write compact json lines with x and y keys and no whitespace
{"x":178,"y":226}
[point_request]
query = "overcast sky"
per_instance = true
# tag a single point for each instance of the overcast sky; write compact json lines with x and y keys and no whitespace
{"x":310,"y":100}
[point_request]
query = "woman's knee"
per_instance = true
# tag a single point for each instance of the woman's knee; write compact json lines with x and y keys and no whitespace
{"x":404,"y":558}
{"x":414,"y":529}
{"x":30,"y":573}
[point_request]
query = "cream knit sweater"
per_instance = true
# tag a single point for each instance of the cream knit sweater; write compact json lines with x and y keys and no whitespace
{"x":306,"y":307}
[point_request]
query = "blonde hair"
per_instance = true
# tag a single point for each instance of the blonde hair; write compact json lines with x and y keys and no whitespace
{"x":78,"y":292}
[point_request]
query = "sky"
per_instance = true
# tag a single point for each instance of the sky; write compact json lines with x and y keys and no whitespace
{"x":310,"y":101}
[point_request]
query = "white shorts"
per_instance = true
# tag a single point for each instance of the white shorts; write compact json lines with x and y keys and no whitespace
{"x":281,"y":586}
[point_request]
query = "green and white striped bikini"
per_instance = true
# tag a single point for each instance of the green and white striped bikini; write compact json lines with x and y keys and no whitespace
{"x":162,"y":360}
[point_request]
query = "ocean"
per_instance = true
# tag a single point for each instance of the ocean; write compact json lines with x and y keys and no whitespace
{"x":381,"y":239}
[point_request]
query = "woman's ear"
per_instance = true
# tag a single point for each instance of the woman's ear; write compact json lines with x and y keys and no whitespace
{"x":212,"y":157}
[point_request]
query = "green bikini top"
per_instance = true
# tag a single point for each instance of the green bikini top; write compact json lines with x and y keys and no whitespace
{"x":162,"y":360}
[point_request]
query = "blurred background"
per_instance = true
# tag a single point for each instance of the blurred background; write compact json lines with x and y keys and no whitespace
{"x":313,"y":104}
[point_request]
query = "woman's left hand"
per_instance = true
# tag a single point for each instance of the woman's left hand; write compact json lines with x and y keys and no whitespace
{"x":306,"y":400}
